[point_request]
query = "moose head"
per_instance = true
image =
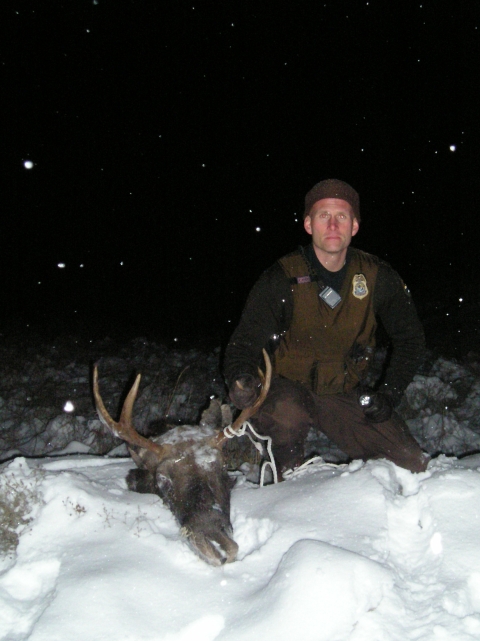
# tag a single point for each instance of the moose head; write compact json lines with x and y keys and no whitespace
{"x":186,"y":468}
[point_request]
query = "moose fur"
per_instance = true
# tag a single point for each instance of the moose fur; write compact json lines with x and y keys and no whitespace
{"x":193,"y":482}
{"x":186,"y":468}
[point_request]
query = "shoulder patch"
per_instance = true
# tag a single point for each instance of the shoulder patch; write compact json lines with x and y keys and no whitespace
{"x":359,"y":286}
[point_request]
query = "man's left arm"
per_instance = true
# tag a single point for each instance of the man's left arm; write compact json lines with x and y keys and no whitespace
{"x":396,"y":310}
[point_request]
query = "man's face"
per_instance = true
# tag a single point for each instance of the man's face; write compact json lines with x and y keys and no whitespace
{"x":331,"y":224}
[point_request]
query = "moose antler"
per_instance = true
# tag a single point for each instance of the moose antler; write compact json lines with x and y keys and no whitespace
{"x":124,"y":428}
{"x":248,"y":412}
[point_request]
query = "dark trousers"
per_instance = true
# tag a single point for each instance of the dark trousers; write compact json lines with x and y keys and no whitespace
{"x":291,"y":410}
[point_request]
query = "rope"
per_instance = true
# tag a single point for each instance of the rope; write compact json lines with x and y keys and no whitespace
{"x":315,"y":459}
{"x":229,"y":433}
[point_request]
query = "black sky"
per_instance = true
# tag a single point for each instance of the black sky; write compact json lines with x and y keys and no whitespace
{"x":164,"y":134}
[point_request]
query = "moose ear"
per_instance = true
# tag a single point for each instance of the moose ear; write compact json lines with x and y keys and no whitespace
{"x":227,"y":416}
{"x":212,"y":416}
{"x":142,"y":481}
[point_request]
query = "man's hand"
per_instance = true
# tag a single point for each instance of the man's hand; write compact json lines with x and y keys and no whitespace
{"x":377,"y":406}
{"x":245,"y":391}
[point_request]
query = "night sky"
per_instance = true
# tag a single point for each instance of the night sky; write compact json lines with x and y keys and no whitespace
{"x":173,"y":143}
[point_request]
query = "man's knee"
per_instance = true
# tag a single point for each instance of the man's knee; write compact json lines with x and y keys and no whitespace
{"x":414,"y":460}
{"x":288,"y":404}
{"x":286,"y":416}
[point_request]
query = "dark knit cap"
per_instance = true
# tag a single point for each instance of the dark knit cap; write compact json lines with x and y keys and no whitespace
{"x":333,"y":188}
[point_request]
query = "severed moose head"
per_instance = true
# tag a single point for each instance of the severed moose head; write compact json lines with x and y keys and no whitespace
{"x":186,"y":468}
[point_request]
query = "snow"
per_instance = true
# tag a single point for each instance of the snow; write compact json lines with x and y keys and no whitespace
{"x":359,"y":551}
{"x":338,"y":551}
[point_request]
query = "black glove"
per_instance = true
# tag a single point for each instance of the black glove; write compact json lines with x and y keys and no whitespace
{"x":244,"y":392}
{"x":377,"y":406}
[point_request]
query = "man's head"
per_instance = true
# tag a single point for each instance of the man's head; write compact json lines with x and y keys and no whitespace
{"x":333,"y":188}
{"x":332,"y":216}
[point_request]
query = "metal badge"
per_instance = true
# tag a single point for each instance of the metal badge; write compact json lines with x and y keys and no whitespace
{"x":360,"y":289}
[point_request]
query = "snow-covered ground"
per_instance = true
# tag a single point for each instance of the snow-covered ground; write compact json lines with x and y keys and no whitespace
{"x":358,"y":551}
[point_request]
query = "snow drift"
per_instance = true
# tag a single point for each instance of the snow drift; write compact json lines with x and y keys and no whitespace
{"x":339,"y":551}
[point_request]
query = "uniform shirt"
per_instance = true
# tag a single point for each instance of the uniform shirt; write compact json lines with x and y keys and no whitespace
{"x":268,"y":313}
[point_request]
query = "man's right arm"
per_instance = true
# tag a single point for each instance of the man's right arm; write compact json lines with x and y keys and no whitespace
{"x":267,"y":314}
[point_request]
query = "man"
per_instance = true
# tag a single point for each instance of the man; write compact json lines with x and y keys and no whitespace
{"x":316,"y":311}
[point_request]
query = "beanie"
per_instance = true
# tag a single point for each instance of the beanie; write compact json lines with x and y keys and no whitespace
{"x":333,"y":188}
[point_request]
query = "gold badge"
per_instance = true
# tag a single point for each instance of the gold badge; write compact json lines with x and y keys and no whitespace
{"x":360,"y":289}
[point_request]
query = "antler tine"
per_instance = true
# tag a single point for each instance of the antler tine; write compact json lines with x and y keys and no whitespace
{"x":248,"y":412}
{"x":124,"y":428}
